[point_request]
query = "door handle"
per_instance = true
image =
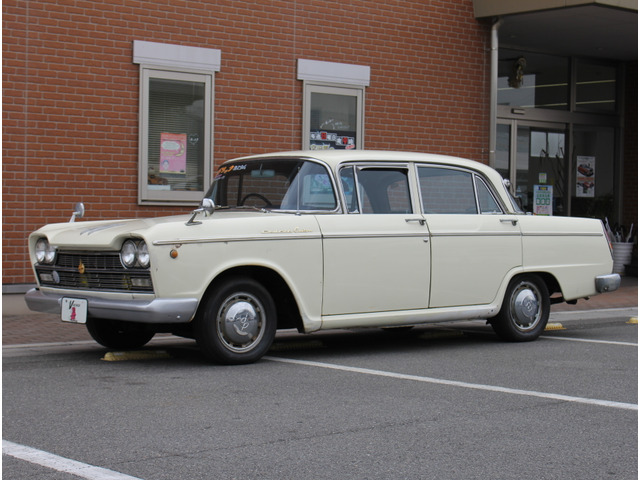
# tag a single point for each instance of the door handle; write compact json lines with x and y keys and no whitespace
{"x":513,"y":221}
{"x":421,"y":221}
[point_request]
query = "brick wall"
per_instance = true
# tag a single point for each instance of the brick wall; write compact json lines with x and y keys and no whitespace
{"x":70,"y":90}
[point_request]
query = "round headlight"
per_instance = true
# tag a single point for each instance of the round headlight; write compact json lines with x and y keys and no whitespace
{"x":128,"y":254}
{"x":41,"y":248}
{"x":45,"y":253}
{"x":143,"y":255}
{"x":50,"y":255}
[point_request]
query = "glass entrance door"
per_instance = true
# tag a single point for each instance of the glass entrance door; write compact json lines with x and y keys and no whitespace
{"x":534,"y":159}
{"x":593,"y":172}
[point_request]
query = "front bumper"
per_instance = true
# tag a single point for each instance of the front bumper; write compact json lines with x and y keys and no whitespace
{"x":607,"y":283}
{"x":158,"y":310}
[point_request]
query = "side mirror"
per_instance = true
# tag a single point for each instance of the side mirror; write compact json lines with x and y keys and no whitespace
{"x":78,"y":212}
{"x":206,"y":206}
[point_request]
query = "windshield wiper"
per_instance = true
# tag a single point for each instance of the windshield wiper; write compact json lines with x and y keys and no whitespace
{"x":248,"y":207}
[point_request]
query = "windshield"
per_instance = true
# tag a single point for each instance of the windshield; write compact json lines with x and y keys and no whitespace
{"x":277,"y":184}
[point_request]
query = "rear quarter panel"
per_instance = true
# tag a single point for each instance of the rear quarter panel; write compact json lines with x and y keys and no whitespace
{"x":573,"y":250}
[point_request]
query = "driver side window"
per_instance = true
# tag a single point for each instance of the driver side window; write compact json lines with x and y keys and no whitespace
{"x":311,"y":189}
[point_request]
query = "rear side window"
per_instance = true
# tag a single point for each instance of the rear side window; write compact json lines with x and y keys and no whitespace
{"x":486,"y":200}
{"x":445,"y":190}
{"x":454,"y":191}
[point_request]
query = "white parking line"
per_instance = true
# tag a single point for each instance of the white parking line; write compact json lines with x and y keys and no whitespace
{"x":453,"y":383}
{"x":586,"y":340}
{"x":61,"y":464}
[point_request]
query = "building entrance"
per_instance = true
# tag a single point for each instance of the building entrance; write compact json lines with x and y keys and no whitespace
{"x":558,"y":169}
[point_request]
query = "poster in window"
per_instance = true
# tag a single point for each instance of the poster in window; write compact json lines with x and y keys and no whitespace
{"x":173,"y":153}
{"x":586,"y":177}
{"x":332,"y":140}
{"x":543,"y":199}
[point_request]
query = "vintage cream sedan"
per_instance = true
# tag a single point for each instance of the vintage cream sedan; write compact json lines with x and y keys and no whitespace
{"x":321,"y":240}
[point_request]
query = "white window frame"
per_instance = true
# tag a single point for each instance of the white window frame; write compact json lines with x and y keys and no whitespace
{"x":336,"y":79}
{"x":174,"y":62}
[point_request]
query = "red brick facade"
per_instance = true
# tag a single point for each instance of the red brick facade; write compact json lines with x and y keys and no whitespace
{"x":70,"y":90}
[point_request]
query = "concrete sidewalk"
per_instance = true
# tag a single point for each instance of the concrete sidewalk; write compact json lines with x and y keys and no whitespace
{"x":21,"y":326}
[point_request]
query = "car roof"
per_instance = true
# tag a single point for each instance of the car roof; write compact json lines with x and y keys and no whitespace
{"x":333,"y":158}
{"x":336,"y":157}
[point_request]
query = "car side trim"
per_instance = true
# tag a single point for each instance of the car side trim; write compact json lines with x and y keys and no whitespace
{"x":279,"y":237}
{"x":562,"y":234}
{"x":476,"y":234}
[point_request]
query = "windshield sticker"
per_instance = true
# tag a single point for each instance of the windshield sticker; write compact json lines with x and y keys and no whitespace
{"x":231,"y":168}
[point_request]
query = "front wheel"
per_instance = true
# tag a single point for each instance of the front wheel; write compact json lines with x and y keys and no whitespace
{"x":238,"y":322}
{"x":117,"y":334}
{"x":525,"y":310}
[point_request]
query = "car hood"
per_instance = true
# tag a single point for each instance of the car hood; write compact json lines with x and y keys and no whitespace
{"x":109,"y":234}
{"x":99,"y":234}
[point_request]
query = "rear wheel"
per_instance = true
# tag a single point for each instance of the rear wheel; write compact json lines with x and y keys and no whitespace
{"x":118,"y":334}
{"x":238,"y":322}
{"x":525,"y":310}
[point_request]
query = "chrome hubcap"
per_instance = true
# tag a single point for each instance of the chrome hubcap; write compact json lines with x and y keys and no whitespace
{"x":525,"y":307}
{"x":240,"y":322}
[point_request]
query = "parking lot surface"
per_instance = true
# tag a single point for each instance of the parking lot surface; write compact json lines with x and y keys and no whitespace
{"x":442,"y":401}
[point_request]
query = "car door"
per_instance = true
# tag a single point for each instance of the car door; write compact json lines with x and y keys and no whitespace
{"x":474,"y":244}
{"x":377,"y":256}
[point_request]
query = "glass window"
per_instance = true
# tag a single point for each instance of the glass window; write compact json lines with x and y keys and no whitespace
{"x":502,"y":161}
{"x":384,"y":190}
{"x":593,"y":191}
{"x":347,"y":178}
{"x":595,"y":86}
{"x":445,"y":190}
{"x":486,"y":200}
{"x":376,"y":190}
{"x":175,"y":136}
{"x":293,"y":185}
{"x":333,"y":117}
{"x":541,"y":161}
{"x":531,"y":80}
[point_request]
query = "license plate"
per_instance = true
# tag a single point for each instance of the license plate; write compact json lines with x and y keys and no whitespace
{"x":74,"y":310}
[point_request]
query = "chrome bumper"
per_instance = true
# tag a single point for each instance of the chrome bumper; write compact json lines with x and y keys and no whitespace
{"x":158,"y":310}
{"x":607,"y":283}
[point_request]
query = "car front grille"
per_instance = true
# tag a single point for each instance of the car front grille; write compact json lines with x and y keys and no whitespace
{"x":94,"y":271}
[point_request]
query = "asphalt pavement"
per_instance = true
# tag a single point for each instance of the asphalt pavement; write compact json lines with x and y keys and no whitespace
{"x":22,"y":326}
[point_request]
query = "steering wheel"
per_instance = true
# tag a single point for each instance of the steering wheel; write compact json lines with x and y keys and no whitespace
{"x":261,"y":197}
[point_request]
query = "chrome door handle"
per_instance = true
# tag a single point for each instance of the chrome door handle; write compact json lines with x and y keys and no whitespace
{"x":513,"y":221}
{"x":421,"y":221}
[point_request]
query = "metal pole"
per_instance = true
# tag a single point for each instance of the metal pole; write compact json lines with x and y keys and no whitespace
{"x":493,"y":94}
